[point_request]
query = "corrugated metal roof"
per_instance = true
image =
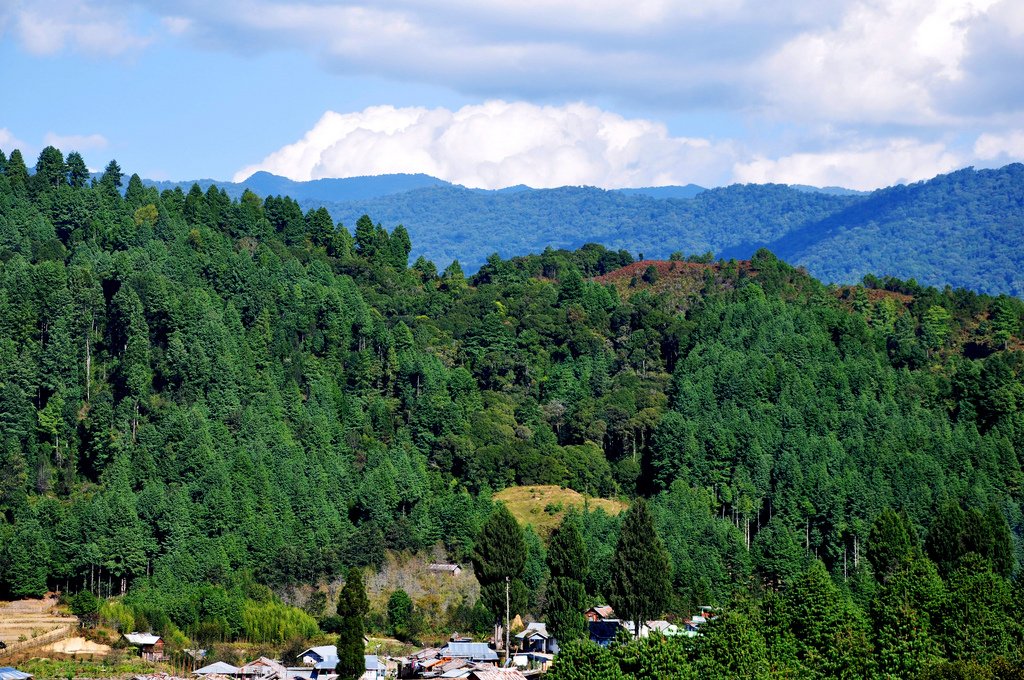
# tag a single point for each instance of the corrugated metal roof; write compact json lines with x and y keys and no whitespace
{"x":141,"y":638}
{"x":323,"y":651}
{"x":328,"y":664}
{"x":478,"y":651}
{"x":534,"y":629}
{"x":496,"y":674}
{"x":221,"y":667}
{"x":11,"y":673}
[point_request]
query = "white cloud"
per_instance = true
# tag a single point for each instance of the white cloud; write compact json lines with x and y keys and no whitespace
{"x":885,"y":62}
{"x":8,"y":142}
{"x":858,"y":166}
{"x":498,"y":144}
{"x":1005,"y":146}
{"x":69,"y":143}
{"x":46,"y":27}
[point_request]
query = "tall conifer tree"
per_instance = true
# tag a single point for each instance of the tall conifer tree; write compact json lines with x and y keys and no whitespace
{"x":500,"y":554}
{"x":641,"y":582}
{"x":566,"y":595}
{"x":352,"y":609}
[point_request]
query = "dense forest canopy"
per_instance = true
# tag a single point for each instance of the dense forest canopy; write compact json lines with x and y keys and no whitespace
{"x":202,"y":397}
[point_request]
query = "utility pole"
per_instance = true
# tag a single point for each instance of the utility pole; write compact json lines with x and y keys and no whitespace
{"x":508,"y":651}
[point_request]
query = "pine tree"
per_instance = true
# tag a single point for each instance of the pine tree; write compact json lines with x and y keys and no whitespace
{"x":366,"y":241}
{"x":889,"y":543}
{"x":352,"y":609}
{"x":641,"y":572}
{"x":320,"y":227}
{"x":566,"y":594}
{"x":500,"y":554}
{"x":584,"y":660}
{"x":51,"y":171}
{"x":78,"y":172}
{"x":401,"y":245}
{"x":111,"y":179}
{"x":17,"y":173}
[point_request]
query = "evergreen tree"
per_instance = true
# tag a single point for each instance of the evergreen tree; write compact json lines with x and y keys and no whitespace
{"x":641,"y":572}
{"x":566,"y":593}
{"x":584,"y":660}
{"x":26,"y":558}
{"x":78,"y":172}
{"x":889,"y":543}
{"x":17,"y":173}
{"x":731,"y":646}
{"x":499,"y":557}
{"x":320,"y":227}
{"x":401,"y":246}
{"x":366,"y":237}
{"x":51,"y":171}
{"x":352,"y":609}
{"x":400,"y":612}
{"x":831,"y":637}
{"x":111,"y":179}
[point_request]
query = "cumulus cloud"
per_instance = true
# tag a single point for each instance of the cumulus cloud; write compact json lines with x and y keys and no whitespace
{"x":1004,"y":146}
{"x":851,"y":62}
{"x":8,"y":142}
{"x":46,"y":27}
{"x":498,"y":144}
{"x":69,"y":143}
{"x":859,"y":166}
{"x":886,"y":61}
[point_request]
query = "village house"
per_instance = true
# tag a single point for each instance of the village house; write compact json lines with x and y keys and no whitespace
{"x":601,"y":612}
{"x":535,"y":638}
{"x":315,"y":655}
{"x":603,"y":632}
{"x":10,"y":673}
{"x":442,"y":568}
{"x":217,"y":668}
{"x":151,"y":647}
{"x":262,"y":669}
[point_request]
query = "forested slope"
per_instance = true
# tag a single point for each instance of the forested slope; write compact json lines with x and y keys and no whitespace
{"x":454,"y":222}
{"x":965,"y":228}
{"x":200,"y":395}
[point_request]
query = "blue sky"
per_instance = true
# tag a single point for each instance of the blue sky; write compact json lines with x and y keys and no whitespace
{"x":542,"y":92}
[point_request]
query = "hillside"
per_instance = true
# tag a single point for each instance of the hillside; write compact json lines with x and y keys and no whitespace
{"x":447,"y":223}
{"x":964,"y":229}
{"x":207,"y":402}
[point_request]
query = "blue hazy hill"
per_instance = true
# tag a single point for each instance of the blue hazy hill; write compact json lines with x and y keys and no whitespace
{"x":963,"y":229}
{"x":687,"y":191}
{"x":345,"y":189}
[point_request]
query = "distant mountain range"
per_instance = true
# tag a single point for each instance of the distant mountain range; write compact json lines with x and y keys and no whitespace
{"x":962,"y":229}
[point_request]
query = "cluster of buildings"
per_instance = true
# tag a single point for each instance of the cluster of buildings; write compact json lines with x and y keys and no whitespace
{"x":532,"y":654}
{"x":318,"y":663}
{"x":604,"y":626}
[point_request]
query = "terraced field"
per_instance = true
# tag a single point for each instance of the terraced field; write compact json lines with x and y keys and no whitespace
{"x":26,"y":624}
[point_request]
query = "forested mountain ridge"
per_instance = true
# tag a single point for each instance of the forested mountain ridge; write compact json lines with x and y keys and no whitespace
{"x":964,"y":229}
{"x":201,"y":397}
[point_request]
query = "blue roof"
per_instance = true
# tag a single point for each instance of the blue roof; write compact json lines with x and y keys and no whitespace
{"x":328,"y":664}
{"x":372,"y":662}
{"x":603,"y":630}
{"x":477,"y":651}
{"x":9,"y":673}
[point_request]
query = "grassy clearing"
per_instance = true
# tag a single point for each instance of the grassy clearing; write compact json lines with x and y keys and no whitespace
{"x":81,"y":668}
{"x":544,"y":506}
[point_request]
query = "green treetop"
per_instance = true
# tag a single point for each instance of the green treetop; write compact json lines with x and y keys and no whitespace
{"x":641,"y":572}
